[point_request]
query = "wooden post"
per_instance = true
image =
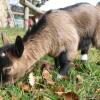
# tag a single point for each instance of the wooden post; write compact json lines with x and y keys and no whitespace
{"x":26,"y":18}
{"x":31,"y":6}
{"x":28,"y":5}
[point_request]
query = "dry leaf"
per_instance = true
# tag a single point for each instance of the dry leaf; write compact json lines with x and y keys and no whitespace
{"x":97,"y":94}
{"x":60,"y":90}
{"x":97,"y":97}
{"x":24,"y":87}
{"x":47,"y":66}
{"x":1,"y":98}
{"x":19,"y":84}
{"x":79,"y":78}
{"x":98,"y":90}
{"x":32,"y":79}
{"x":13,"y":98}
{"x":71,"y":96}
{"x":76,"y":66}
{"x":47,"y":76}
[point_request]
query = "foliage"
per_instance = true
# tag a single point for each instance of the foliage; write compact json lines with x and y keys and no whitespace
{"x":38,"y":3}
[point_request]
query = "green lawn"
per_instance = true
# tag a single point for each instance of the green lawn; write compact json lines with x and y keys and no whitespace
{"x":87,"y":88}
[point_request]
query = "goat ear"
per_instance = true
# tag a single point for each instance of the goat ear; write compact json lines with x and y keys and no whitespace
{"x":18,"y":47}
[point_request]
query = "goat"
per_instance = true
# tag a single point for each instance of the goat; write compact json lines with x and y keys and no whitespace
{"x":59,"y":33}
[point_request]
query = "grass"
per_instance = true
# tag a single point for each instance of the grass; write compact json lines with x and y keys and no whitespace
{"x":87,"y":90}
{"x":12,"y":33}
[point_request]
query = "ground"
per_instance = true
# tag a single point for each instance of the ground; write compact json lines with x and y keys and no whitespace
{"x":84,"y":79}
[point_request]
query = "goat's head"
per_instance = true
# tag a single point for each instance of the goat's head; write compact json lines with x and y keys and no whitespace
{"x":8,"y":53}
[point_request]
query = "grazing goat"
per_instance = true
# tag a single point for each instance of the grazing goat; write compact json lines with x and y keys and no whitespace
{"x":59,"y":33}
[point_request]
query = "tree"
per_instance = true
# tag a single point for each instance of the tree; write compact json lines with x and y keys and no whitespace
{"x":38,"y":3}
{"x":5,"y":12}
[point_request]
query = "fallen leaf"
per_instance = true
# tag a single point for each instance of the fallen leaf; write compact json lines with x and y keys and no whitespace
{"x":98,"y":90}
{"x":79,"y":78}
{"x":71,"y":96}
{"x":25,"y":87}
{"x":13,"y":98}
{"x":32,"y":79}
{"x":47,"y":66}
{"x":76,"y":66}
{"x":1,"y":98}
{"x":47,"y":76}
{"x":97,"y":97}
{"x":60,"y":90}
{"x":19,"y":84}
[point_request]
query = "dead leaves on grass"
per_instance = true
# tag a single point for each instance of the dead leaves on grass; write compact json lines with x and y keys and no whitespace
{"x":97,"y":94}
{"x":98,"y":90}
{"x":13,"y":97}
{"x":23,"y":86}
{"x":60,"y":91}
{"x":1,"y":98}
{"x":71,"y":96}
{"x":47,"y":66}
{"x":46,"y":69}
{"x":79,"y":78}
{"x":47,"y":76}
{"x":32,"y":80}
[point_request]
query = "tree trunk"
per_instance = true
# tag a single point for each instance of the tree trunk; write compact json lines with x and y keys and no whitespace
{"x":4,"y":14}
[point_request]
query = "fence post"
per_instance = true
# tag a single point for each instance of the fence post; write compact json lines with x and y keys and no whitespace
{"x":26,"y":18}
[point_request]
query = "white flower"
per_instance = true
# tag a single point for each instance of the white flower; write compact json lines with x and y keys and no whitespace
{"x":31,"y":79}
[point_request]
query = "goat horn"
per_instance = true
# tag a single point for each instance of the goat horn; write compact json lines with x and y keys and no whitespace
{"x":5,"y":38}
